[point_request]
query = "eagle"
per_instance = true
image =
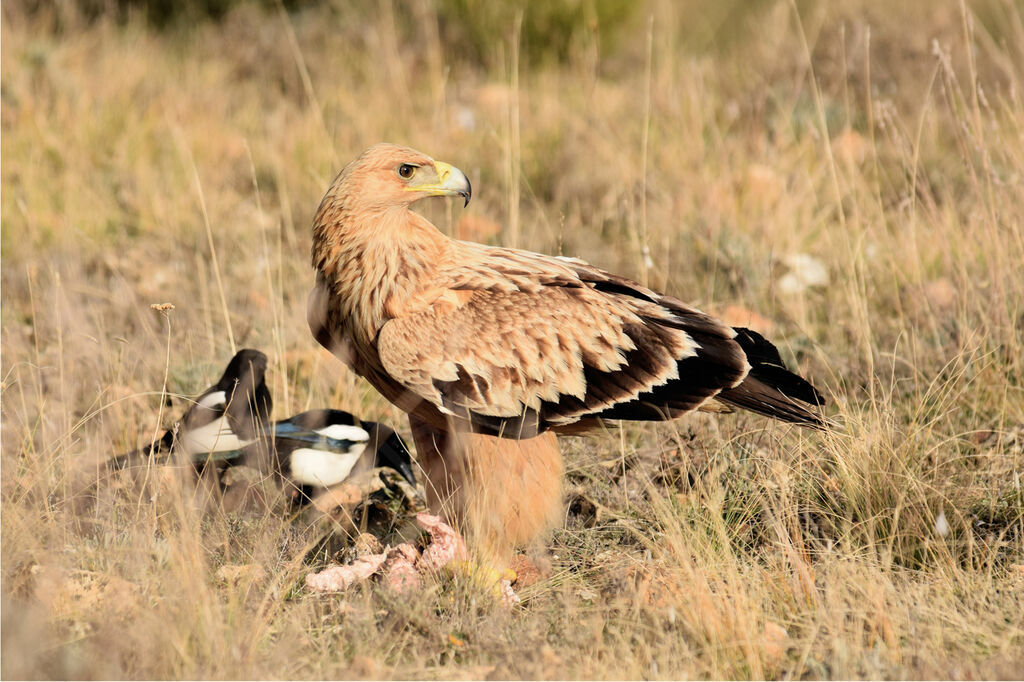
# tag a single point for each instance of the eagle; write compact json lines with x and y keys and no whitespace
{"x":492,"y":351}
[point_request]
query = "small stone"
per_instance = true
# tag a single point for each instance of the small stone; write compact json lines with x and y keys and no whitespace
{"x":805,"y":272}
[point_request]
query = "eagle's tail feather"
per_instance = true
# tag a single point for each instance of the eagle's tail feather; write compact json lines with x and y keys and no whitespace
{"x":770,"y":389}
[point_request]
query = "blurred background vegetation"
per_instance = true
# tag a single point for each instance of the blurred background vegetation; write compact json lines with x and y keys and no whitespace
{"x":477,"y":32}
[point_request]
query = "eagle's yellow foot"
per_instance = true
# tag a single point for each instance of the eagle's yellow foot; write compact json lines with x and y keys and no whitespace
{"x":482,"y":573}
{"x":497,"y":582}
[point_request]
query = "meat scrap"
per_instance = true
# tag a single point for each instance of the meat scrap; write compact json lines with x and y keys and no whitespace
{"x":402,"y":567}
{"x":446,"y":545}
{"x":400,"y":571}
{"x":338,"y":578}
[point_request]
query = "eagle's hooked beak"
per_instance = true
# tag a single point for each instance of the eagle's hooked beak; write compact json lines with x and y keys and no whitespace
{"x":451,"y":182}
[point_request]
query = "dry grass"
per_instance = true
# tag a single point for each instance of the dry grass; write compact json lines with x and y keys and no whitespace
{"x":140,"y":168}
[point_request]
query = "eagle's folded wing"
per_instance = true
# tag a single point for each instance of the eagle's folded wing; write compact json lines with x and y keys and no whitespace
{"x":517,"y":348}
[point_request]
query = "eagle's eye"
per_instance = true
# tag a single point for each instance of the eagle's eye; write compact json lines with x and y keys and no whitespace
{"x":406,"y":170}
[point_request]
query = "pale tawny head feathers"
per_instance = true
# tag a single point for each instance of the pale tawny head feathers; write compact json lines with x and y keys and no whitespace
{"x":377,"y":180}
{"x":380,"y":185}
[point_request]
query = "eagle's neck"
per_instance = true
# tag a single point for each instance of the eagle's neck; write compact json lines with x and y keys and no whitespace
{"x":374,"y":261}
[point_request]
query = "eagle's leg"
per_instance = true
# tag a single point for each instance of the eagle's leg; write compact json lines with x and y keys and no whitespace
{"x":503,"y":494}
{"x":442,"y":471}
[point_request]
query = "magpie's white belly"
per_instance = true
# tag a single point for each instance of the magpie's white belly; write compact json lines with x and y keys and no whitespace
{"x":322,"y":468}
{"x":216,"y":436}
